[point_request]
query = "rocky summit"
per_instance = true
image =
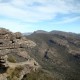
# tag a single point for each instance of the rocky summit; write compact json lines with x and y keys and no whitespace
{"x":14,"y":43}
{"x":14,"y":58}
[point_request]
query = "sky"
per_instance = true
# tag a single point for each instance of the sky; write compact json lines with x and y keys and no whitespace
{"x":31,"y":15}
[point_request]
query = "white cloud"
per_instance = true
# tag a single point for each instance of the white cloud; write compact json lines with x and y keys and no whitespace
{"x":68,"y":20}
{"x":15,"y":26}
{"x":28,"y":11}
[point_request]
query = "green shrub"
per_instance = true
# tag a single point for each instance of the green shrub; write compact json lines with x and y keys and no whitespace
{"x":15,"y":73}
{"x":12,"y":59}
{"x":38,"y":75}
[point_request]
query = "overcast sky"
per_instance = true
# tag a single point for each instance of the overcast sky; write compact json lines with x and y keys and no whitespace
{"x":31,"y":15}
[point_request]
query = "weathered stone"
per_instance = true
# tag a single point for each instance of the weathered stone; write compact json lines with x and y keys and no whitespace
{"x":14,"y":44}
{"x":18,"y":35}
{"x":9,"y":40}
{"x":3,"y":31}
{"x":3,"y":62}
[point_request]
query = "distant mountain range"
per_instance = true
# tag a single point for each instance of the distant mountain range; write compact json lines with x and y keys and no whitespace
{"x":58,"y":52}
{"x":53,"y":31}
{"x":28,"y":33}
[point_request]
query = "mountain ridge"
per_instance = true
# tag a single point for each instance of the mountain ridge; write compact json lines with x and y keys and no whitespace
{"x":58,"y":53}
{"x":47,"y":56}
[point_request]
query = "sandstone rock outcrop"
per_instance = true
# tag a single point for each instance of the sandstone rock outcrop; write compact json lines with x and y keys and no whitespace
{"x":15,"y":44}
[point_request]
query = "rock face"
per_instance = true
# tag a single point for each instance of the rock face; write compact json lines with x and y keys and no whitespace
{"x":3,"y":63}
{"x":14,"y":45}
{"x":14,"y":42}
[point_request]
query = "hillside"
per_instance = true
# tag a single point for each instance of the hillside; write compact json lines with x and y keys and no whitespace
{"x":58,"y":52}
{"x":15,"y":61}
{"x":42,"y":55}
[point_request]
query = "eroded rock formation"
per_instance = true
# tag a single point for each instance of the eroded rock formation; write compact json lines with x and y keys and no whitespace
{"x":15,"y":46}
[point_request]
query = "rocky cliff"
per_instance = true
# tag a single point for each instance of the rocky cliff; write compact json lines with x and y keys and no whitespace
{"x":14,"y":46}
